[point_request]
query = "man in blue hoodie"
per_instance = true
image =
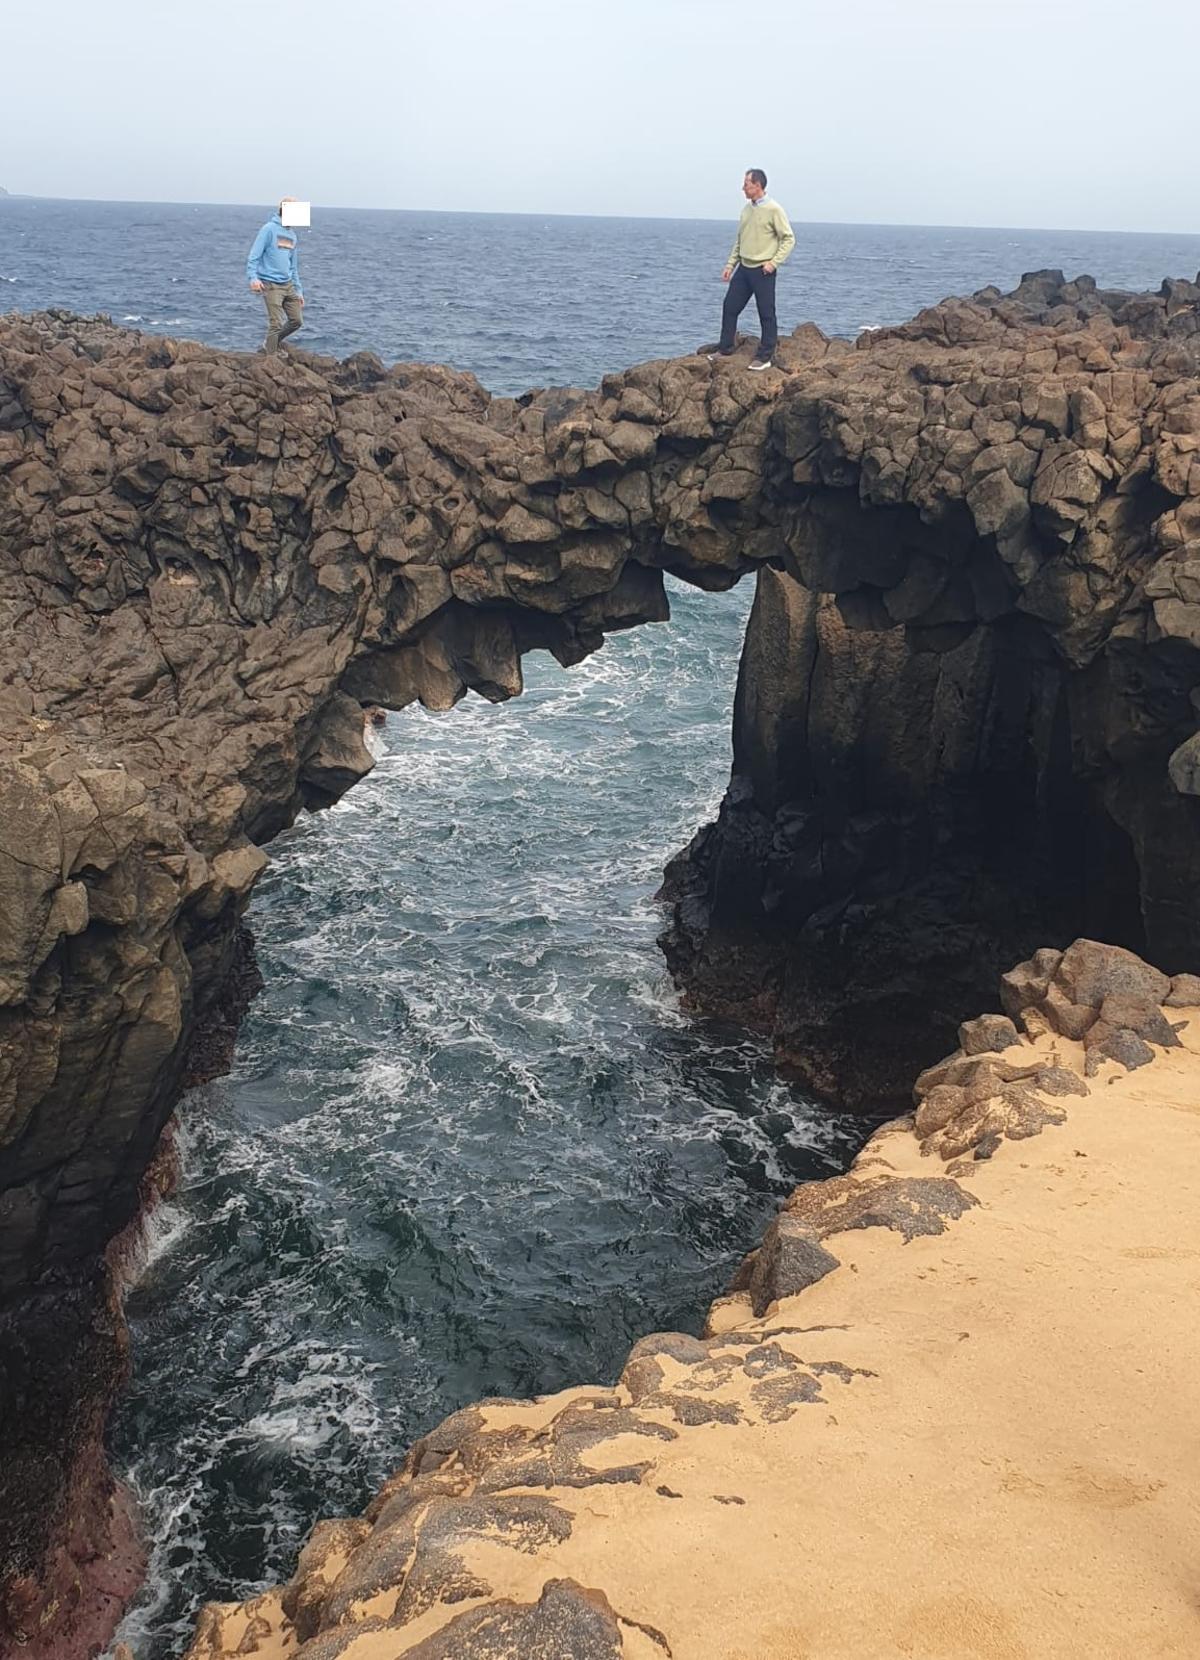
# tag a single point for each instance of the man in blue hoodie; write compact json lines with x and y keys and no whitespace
{"x":273,"y":270}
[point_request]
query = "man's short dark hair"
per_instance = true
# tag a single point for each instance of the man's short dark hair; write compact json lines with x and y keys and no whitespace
{"x":759,"y":177}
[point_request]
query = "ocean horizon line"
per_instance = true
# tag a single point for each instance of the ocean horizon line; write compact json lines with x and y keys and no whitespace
{"x":616,"y":218}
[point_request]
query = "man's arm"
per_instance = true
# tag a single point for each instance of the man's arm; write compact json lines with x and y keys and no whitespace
{"x":256,"y":252}
{"x":786,"y":235}
{"x":735,"y":258}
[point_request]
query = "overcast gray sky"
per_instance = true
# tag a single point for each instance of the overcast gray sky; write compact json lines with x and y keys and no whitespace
{"x":1056,"y":113}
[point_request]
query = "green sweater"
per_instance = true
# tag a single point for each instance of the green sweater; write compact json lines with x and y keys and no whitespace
{"x":763,"y":234}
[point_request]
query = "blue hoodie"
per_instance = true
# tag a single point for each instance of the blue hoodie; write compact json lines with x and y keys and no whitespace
{"x":274,"y":258}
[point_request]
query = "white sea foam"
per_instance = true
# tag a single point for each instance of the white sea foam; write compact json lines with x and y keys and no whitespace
{"x":657,"y":994}
{"x":162,"y":1230}
{"x":166,"y":1221}
{"x":385,"y":1077}
{"x":334,"y":1392}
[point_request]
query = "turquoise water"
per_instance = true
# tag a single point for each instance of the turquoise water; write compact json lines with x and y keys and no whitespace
{"x":470,"y":1145}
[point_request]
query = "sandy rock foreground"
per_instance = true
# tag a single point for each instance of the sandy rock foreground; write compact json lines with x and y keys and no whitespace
{"x":950,"y":1409}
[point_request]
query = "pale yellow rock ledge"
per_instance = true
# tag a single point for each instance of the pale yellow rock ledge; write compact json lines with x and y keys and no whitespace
{"x":975,"y":1432}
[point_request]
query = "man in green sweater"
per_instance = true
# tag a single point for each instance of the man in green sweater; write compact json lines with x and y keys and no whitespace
{"x":764,"y":240}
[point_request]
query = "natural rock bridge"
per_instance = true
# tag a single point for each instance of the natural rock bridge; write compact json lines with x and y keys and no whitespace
{"x":966,"y":722}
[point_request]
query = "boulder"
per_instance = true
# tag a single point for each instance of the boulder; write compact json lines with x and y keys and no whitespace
{"x":1091,"y":971}
{"x":1184,"y":992}
{"x":987,"y":1032}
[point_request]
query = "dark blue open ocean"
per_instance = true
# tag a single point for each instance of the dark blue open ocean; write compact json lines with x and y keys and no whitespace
{"x":469,"y":1146}
{"x":519,"y":300}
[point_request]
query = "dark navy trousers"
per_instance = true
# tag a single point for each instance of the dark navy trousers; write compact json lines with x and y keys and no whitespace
{"x":747,"y":280}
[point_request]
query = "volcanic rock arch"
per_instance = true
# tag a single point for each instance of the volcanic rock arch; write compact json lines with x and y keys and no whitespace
{"x":966,"y":717}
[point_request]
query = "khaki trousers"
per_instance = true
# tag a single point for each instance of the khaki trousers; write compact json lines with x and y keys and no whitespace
{"x":281,"y":300}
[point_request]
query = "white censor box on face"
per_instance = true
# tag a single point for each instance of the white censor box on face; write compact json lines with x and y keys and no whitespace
{"x":297,"y":213}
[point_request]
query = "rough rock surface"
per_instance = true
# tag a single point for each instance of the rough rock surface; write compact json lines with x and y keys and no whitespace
{"x":967,"y":712}
{"x":208,"y":564}
{"x":967,"y":1434}
{"x":965,"y":719}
